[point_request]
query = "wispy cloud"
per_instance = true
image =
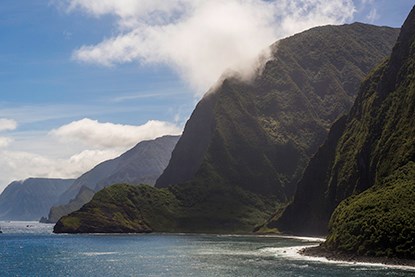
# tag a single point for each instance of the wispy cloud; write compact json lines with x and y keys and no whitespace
{"x":18,"y":165}
{"x":25,"y":114}
{"x":146,"y":95}
{"x":109,"y":135}
{"x":44,"y":112}
{"x":373,"y":15}
{"x":201,"y":39}
{"x":7,"y":124}
{"x":369,"y":10}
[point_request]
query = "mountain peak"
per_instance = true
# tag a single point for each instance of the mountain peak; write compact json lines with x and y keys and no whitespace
{"x":360,"y":184}
{"x":239,"y":133}
{"x":246,"y":143}
{"x":403,"y":50}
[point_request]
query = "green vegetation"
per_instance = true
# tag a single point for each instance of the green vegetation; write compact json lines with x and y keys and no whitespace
{"x":310,"y":211}
{"x":379,"y":221}
{"x":366,"y":167}
{"x":260,"y":135}
{"x":120,"y":209}
{"x":185,"y":208}
{"x":142,"y":164}
{"x":247,"y":143}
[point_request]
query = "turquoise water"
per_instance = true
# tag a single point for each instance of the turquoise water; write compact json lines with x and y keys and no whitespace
{"x":29,"y":249}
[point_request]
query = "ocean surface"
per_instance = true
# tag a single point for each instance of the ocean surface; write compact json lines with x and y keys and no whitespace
{"x":30,"y":249}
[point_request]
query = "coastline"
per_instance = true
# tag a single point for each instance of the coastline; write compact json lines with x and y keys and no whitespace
{"x":321,"y":252}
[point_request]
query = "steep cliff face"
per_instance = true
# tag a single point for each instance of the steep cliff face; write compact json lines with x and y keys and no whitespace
{"x":310,"y":211}
{"x":260,"y":135}
{"x":142,"y":164}
{"x":188,"y":154}
{"x":373,"y":153}
{"x":381,"y":220}
{"x":32,"y":198}
{"x":247,"y":143}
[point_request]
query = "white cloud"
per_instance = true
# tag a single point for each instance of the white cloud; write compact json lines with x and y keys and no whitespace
{"x":201,"y":39}
{"x":368,"y":7}
{"x":147,"y":94}
{"x":7,"y":124}
{"x":72,"y":149}
{"x":373,"y":15}
{"x":87,"y":158}
{"x":18,"y":165}
{"x":5,"y":141}
{"x":130,"y":9}
{"x":109,"y":135}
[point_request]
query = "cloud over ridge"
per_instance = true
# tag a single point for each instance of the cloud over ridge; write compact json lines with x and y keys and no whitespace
{"x":109,"y":135}
{"x":201,"y":39}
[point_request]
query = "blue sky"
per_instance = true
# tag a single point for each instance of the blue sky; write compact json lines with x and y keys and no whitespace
{"x":61,"y":62}
{"x":36,"y":69}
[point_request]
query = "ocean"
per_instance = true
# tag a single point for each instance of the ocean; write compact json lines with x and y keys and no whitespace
{"x":31,"y":249}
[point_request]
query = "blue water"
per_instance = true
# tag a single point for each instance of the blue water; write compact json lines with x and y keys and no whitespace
{"x":28,"y":249}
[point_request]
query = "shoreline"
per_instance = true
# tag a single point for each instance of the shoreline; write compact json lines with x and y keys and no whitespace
{"x":320,"y":252}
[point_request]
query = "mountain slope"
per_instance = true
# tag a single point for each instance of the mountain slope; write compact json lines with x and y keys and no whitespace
{"x":247,"y":142}
{"x":264,"y":132}
{"x":368,"y":167}
{"x":84,"y":195}
{"x":142,"y":209}
{"x":142,"y":164}
{"x":31,"y":199}
{"x":388,"y":163}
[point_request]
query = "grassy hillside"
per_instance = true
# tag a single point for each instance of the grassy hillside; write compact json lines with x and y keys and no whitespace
{"x":186,"y":208}
{"x":142,"y":164}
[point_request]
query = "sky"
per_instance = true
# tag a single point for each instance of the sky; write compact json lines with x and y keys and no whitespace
{"x":82,"y":81}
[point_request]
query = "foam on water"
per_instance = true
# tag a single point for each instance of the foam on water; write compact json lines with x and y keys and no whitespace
{"x":170,"y":255}
{"x":304,"y":239}
{"x":293,"y":253}
{"x":91,"y":254}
